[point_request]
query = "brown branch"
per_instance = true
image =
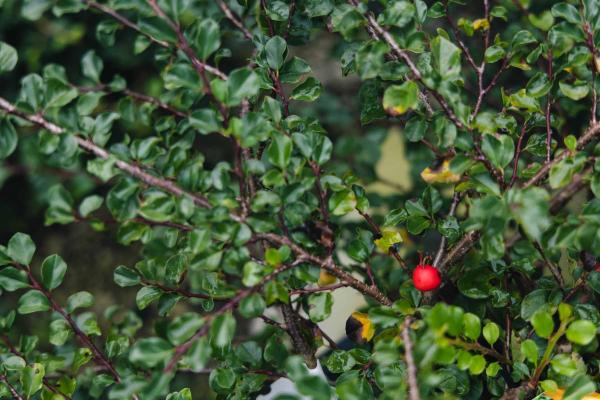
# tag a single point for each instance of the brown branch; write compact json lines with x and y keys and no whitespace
{"x":229,"y":306}
{"x":399,"y":52}
{"x":45,"y":380}
{"x":474,"y":346}
{"x":318,"y":289}
{"x":82,"y":336}
{"x":136,"y":96}
{"x":442,"y":247}
{"x":553,"y":268}
{"x":413,"y":385}
{"x":329,"y":266}
{"x":589,"y":135}
{"x":518,"y":154}
{"x":548,"y":105}
{"x":130,"y":24}
{"x":100,"y":152}
{"x":11,"y":388}
{"x":234,"y":19}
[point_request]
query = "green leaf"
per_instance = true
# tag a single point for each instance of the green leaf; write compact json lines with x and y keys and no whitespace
{"x":183,"y":327}
{"x":58,"y":93}
{"x":575,"y":91}
{"x":446,"y":57}
{"x":147,"y":295}
{"x":494,"y":54}
{"x":21,"y":248}
{"x":221,"y":380}
{"x":491,"y":332}
{"x":124,"y":276}
{"x":53,"y":271}
{"x":32,"y":379}
{"x":275,"y":50}
{"x":8,"y":138}
{"x":498,"y":149}
{"x":222,"y":331}
{"x":280,"y":151}
{"x":543,"y":324}
{"x":319,"y":306}
{"x":530,"y":351}
{"x":92,"y":66}
{"x":472,"y":326}
{"x":207,"y":39}
{"x":89,"y":205}
{"x":8,"y":57}
{"x":309,"y":90}
{"x":567,"y":12}
{"x":581,"y":332}
{"x":398,"y":99}
{"x":150,"y":352}
{"x":33,"y":301}
{"x":242,"y":84}
{"x":78,"y":300}
{"x":252,"y":306}
{"x":12,"y":279}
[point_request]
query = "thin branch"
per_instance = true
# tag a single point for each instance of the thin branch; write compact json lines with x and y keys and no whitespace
{"x":387,"y":37}
{"x":130,"y":24}
{"x":234,"y":19}
{"x":45,"y":380}
{"x":480,"y":349}
{"x":441,"y":248}
{"x":553,"y":268}
{"x":11,"y":388}
{"x":328,"y":288}
{"x":329,"y":266}
{"x":589,"y":135}
{"x":82,"y":336}
{"x":100,"y":152}
{"x":518,"y":154}
{"x":413,"y":385}
{"x":548,"y":105}
{"x":136,"y":96}
{"x":181,"y":349}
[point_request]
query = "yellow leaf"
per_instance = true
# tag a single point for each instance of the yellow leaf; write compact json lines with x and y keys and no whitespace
{"x":559,"y":394}
{"x":441,"y":174}
{"x":367,"y":332}
{"x":325,"y":278}
{"x":482,"y":24}
{"x":389,"y":237}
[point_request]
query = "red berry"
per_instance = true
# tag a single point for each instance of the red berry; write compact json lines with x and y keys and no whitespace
{"x":597,"y":268}
{"x":426,"y":277}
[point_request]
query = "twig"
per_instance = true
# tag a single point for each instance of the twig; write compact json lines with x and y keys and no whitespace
{"x":441,"y":248}
{"x":553,"y":268}
{"x":413,"y":385}
{"x":232,"y":17}
{"x":518,"y":154}
{"x":548,"y":104}
{"x":328,"y":288}
{"x":100,"y":152}
{"x":480,"y":349}
{"x":181,"y":349}
{"x":45,"y":380}
{"x":11,"y":388}
{"x":130,"y":24}
{"x":586,"y":138}
{"x":135,"y":95}
{"x":85,"y":339}
{"x":329,"y":266}
{"x":387,"y":37}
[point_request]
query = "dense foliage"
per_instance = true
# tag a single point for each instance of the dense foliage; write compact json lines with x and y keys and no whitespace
{"x":497,"y":102}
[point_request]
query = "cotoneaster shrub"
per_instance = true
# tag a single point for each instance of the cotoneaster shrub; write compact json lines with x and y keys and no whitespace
{"x":497,"y":103}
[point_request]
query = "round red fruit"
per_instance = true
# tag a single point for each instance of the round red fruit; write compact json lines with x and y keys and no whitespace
{"x":597,"y":267}
{"x":426,"y":277}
